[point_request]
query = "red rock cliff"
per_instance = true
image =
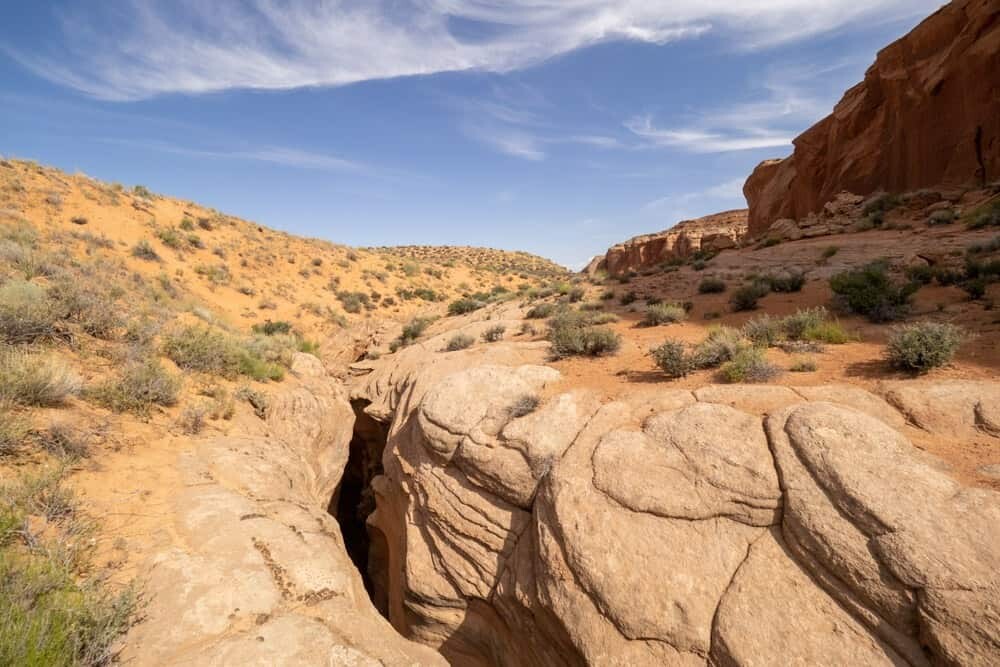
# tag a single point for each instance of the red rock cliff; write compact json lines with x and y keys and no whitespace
{"x":713,"y":232}
{"x":927,"y":114}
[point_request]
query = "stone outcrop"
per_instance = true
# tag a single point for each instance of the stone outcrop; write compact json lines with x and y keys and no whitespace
{"x":724,"y":526}
{"x":252,"y":569}
{"x":924,"y":116}
{"x":711,"y":233}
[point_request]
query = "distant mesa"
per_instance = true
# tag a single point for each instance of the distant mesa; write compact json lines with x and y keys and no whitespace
{"x":707,"y":235}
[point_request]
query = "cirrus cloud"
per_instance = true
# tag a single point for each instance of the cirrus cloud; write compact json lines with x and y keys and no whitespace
{"x":193,"y":47}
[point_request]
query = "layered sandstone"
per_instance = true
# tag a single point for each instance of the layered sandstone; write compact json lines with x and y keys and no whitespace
{"x":711,"y":233}
{"x":924,"y":116}
{"x":728,"y":525}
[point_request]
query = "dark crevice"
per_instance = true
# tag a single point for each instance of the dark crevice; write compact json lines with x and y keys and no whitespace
{"x":980,"y":165}
{"x":354,"y":501}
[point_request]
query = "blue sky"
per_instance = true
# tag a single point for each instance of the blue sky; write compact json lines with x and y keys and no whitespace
{"x":554,"y":126}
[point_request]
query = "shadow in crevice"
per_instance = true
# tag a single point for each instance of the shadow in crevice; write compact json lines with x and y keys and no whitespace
{"x":354,"y":500}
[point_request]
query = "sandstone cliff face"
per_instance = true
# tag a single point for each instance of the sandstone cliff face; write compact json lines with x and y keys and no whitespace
{"x":712,"y":233}
{"x":925,"y":115}
{"x":727,"y":525}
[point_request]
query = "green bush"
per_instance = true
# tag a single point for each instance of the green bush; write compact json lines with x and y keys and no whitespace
{"x":541,"y":311}
{"x":576,"y":294}
{"x":826,"y":332}
{"x":459,"y":342}
{"x":921,"y":346}
{"x":33,"y":379}
{"x":138,"y":387}
{"x":143,"y":250}
{"x":571,"y":333}
{"x":206,"y":350}
{"x":494,"y":334}
{"x":96,"y":311}
{"x":712,"y":286}
{"x":746,"y":297}
{"x":54,"y":610}
{"x":463,"y":306}
{"x":413,"y":330}
{"x":987,"y":215}
{"x":798,"y":323}
{"x":721,"y":345}
{"x":749,"y":365}
{"x":792,"y":281}
{"x":269,"y":328}
{"x":763,"y":331}
{"x":943,"y":217}
{"x":170,"y":237}
{"x":920,"y":273}
{"x":663,"y":313}
{"x":672,"y":358}
{"x":869,"y":291}
{"x":27,"y":315}
{"x":353,"y":302}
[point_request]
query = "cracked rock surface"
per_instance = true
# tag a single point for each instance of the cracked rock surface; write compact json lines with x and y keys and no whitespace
{"x":726,"y":526}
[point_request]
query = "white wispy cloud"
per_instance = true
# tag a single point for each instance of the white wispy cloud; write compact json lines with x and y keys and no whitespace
{"x":288,"y":157}
{"x":135,"y":49}
{"x":729,"y":191}
{"x":788,"y":100}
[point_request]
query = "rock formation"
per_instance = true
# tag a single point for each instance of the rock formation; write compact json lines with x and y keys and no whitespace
{"x":728,"y":526}
{"x":712,"y":233}
{"x":251,"y":569}
{"x":924,"y":116}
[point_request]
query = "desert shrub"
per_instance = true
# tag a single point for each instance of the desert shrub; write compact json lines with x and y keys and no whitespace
{"x":258,"y":400}
{"x":194,"y":417}
{"x":607,"y":295}
{"x":353,"y":302}
{"x":523,"y":405}
{"x":29,"y":262}
{"x":576,"y":294}
{"x":27,"y":315}
{"x":65,"y":441}
{"x":828,"y":331}
{"x":880,"y":204}
{"x":463,"y":306}
{"x":798,"y":323}
{"x":792,"y":281}
{"x":206,"y":224}
{"x":269,"y":328}
{"x":95,"y":310}
{"x":920,"y":273}
{"x":170,"y":237}
{"x":541,"y":311}
{"x":459,"y":342}
{"x":195,"y":241}
{"x":143,"y":250}
{"x":54,"y":610}
{"x":803,"y":365}
{"x":494,"y":334}
{"x":187,"y":224}
{"x":673,"y":359}
{"x":217,"y":274}
{"x":721,"y":345}
{"x":943,"y":217}
{"x":13,"y":429}
{"x":945,"y":277}
{"x":746,"y":297}
{"x":976,"y":289}
{"x":921,"y":346}
{"x":763,"y":331}
{"x":663,"y":313}
{"x":571,"y":333}
{"x":987,"y":215}
{"x":829,"y":252}
{"x":712,"y":286}
{"x":32,"y":379}
{"x":993,"y":245}
{"x":411,"y":332}
{"x":138,"y":387}
{"x":871,"y":292}
{"x":202,"y":349}
{"x":628,"y":298}
{"x":749,"y":365}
